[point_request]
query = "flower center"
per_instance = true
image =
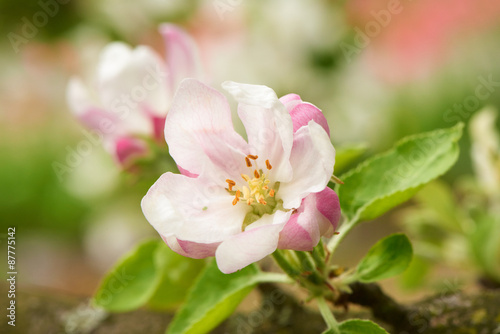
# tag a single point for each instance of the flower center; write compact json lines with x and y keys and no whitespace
{"x":257,"y":189}
{"x":257,"y":192}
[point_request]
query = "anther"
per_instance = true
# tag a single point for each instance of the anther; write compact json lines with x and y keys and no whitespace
{"x":249,"y":164}
{"x":236,"y":197}
{"x":253,"y":157}
{"x":271,"y":192}
{"x":257,"y":175}
{"x":230,"y":187}
{"x":268,"y":165}
{"x":262,"y":201}
{"x":231,"y":182}
{"x":245,"y":177}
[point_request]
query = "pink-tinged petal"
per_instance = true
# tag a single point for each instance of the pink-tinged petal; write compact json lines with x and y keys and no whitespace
{"x":158,"y":127}
{"x":186,"y":172}
{"x":327,"y":203}
{"x":191,"y":249}
{"x":107,"y":124}
{"x":200,"y":134}
{"x":312,"y":159}
{"x":84,"y":107}
{"x":268,"y":126}
{"x":302,"y":231}
{"x":303,"y":112}
{"x":127,"y":149}
{"x":133,"y":80}
{"x":251,"y":245}
{"x":317,"y":216}
{"x":192,"y":209}
{"x":290,"y":101}
{"x":183,"y":60}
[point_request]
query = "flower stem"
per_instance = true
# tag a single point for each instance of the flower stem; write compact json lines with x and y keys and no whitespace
{"x":328,"y":315}
{"x":309,"y":268}
{"x":285,"y":265}
{"x":274,"y":278}
{"x":319,"y":256}
{"x":344,"y":229}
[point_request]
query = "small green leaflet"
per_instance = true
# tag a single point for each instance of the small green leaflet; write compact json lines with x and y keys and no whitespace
{"x":358,"y":326}
{"x":388,"y":257}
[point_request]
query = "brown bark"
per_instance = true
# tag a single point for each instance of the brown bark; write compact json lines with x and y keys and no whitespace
{"x":46,"y":312}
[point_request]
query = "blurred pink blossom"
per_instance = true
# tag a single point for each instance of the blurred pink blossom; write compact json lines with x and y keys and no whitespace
{"x":133,"y":91}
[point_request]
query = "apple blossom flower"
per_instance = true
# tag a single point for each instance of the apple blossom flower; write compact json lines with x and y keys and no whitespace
{"x":248,"y":198}
{"x":133,"y":92}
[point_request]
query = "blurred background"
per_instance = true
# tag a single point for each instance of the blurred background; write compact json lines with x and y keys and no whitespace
{"x":379,"y":70}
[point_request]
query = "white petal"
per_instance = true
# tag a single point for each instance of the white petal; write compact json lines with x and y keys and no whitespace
{"x":135,"y":79}
{"x":268,"y":125}
{"x":312,"y":159}
{"x":192,"y":209}
{"x":252,"y":245}
{"x":78,"y":97}
{"x":200,"y":133}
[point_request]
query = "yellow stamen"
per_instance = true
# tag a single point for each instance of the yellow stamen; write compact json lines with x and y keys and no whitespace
{"x":257,"y":188}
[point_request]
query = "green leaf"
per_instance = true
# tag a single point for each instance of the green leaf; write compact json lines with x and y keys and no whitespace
{"x":347,"y":155}
{"x":391,"y":178}
{"x":131,"y":282}
{"x":177,"y":274}
{"x":388,"y":257}
{"x":329,"y":331}
{"x":152,"y":275}
{"x":213,"y":298}
{"x":358,"y":326}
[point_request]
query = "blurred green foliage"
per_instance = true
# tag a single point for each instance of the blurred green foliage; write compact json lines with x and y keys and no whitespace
{"x":61,"y":17}
{"x":32,"y":196}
